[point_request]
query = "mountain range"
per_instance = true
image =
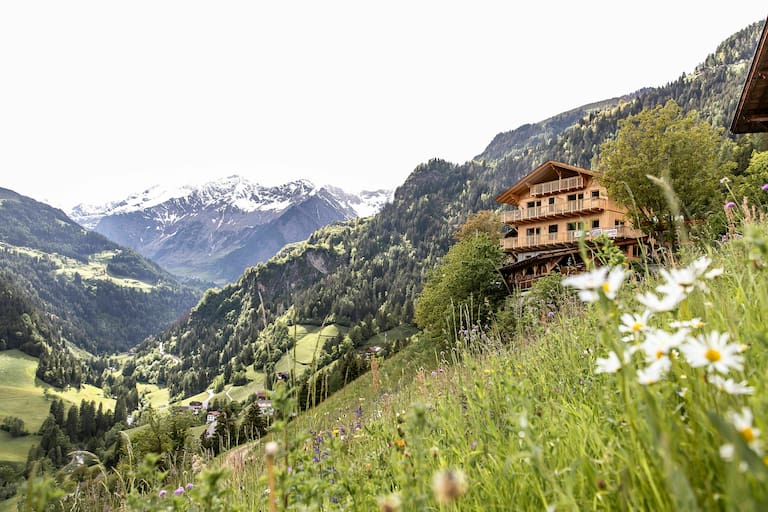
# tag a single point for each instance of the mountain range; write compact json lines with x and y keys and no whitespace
{"x":213,"y":232}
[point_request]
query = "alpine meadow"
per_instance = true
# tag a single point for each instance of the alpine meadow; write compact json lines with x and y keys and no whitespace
{"x":419,"y":358}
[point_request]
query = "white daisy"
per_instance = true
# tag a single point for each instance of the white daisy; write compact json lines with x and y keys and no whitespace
{"x":654,"y":372}
{"x":693,"y":323}
{"x":590,"y":283}
{"x":658,"y":343}
{"x":713,"y":351}
{"x":634,"y":323}
{"x":730,"y":386}
{"x":610,"y":364}
{"x":742,"y":422}
{"x":672,"y":296}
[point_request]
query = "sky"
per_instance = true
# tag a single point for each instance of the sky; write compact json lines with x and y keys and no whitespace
{"x":100,"y":99}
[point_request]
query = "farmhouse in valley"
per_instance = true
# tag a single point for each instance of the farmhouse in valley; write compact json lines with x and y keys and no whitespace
{"x":555,"y":207}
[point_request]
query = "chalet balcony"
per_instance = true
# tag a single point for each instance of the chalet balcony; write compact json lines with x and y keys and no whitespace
{"x":562,"y":240}
{"x":558,"y":210}
{"x":557,"y":186}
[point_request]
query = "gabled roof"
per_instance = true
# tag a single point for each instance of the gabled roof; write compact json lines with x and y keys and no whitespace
{"x":752,"y":113}
{"x":548,"y":171}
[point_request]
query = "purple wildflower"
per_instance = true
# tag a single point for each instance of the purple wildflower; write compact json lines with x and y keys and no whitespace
{"x":729,"y":205}
{"x":179,"y":491}
{"x":162,"y":493}
{"x":550,"y":314}
{"x":473,"y":445}
{"x":189,"y":486}
{"x":765,"y":187}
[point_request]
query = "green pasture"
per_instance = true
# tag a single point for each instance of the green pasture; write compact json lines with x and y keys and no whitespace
{"x":21,"y":393}
{"x":15,"y":449}
{"x":27,"y":397}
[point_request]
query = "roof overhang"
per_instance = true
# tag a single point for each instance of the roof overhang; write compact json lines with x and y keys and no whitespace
{"x":549,"y":170}
{"x":752,"y":112}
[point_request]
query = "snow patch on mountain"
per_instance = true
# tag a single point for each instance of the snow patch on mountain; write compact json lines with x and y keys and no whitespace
{"x":231,"y":193}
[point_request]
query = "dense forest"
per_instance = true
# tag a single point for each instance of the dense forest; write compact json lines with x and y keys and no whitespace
{"x":55,"y":263}
{"x":366,"y":274}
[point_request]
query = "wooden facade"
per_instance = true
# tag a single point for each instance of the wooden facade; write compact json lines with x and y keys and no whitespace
{"x":555,"y":207}
{"x":752,"y":112}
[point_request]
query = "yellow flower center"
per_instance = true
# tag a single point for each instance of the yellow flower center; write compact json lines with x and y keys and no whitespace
{"x":659,"y":354}
{"x":637,"y":326}
{"x":748,"y":435}
{"x":712,"y":355}
{"x":606,"y":287}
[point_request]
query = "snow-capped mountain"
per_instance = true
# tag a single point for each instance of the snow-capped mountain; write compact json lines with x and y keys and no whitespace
{"x":216,"y":230}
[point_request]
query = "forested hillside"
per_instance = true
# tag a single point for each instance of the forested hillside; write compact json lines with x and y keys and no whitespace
{"x":365,"y":275}
{"x":79,"y":286}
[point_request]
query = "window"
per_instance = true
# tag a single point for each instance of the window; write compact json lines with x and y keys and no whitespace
{"x":572,"y":197}
{"x":573,"y":226}
{"x":531,"y":204}
{"x":618,"y":223}
{"x":595,"y":223}
{"x":595,"y":193}
{"x":551,"y":200}
{"x":529,"y":232}
{"x":553,"y":228}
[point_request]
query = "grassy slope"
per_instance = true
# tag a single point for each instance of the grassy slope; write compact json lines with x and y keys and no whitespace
{"x":531,"y":424}
{"x":21,"y":394}
{"x":24,"y":396}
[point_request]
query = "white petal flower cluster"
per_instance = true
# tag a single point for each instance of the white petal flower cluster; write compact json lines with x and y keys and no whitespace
{"x":603,"y":280}
{"x":659,"y":347}
{"x":678,"y":283}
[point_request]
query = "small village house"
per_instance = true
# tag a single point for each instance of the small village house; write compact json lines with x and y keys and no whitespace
{"x":212,"y":416}
{"x":553,"y":208}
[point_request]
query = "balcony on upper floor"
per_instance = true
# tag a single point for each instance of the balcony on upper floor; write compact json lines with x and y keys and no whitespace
{"x":558,"y":209}
{"x":557,"y":186}
{"x":538,"y":242}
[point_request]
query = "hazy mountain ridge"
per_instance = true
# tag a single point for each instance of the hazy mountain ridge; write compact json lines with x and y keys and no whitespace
{"x":216,"y":230}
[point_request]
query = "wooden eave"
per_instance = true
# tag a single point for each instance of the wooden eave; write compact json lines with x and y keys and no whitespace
{"x":549,"y":170}
{"x":752,"y":112}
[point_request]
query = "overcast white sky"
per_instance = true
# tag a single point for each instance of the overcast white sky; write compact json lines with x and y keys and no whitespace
{"x":99,"y":99}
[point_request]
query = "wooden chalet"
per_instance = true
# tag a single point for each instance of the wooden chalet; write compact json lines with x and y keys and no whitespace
{"x":555,"y":207}
{"x":752,"y":112}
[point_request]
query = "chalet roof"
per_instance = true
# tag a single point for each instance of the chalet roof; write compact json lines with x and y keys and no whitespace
{"x":548,"y":171}
{"x":752,"y":112}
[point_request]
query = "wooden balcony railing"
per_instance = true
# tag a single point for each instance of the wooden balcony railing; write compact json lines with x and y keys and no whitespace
{"x":561,"y":208}
{"x":553,"y":187}
{"x":533,"y":242}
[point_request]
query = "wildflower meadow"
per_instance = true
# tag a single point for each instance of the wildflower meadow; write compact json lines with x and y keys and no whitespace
{"x":638,"y":389}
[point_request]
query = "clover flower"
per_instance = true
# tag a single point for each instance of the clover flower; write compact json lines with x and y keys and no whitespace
{"x":179,"y":491}
{"x":712,"y":350}
{"x":729,"y":205}
{"x":449,"y":485}
{"x":764,"y":187}
{"x":162,"y":493}
{"x":390,"y":503}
